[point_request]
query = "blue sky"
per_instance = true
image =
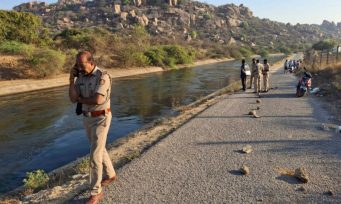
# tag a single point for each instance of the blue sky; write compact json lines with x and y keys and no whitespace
{"x":293,"y":11}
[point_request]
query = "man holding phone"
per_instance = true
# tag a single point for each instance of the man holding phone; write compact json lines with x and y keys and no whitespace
{"x":91,"y":86}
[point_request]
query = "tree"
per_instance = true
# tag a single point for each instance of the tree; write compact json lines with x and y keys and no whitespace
{"x":324,"y":45}
{"x":19,"y":26}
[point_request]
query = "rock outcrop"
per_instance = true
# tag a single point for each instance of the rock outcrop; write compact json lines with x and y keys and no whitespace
{"x":228,"y":24}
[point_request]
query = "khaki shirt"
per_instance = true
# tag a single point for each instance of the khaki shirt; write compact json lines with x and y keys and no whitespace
{"x":254,"y":69}
{"x":258,"y":70}
{"x":98,"y":82}
{"x":266,"y":69}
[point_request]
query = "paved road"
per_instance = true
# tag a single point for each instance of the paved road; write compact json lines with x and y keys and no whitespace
{"x":198,"y":163}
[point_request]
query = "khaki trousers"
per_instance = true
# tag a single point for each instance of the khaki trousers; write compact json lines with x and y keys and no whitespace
{"x":97,"y":129}
{"x":251,"y":79}
{"x":266,"y":82}
{"x":257,"y":83}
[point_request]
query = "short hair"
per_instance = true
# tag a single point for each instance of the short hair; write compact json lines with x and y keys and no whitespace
{"x":257,"y":60}
{"x":265,"y":60}
{"x":243,"y":60}
{"x":89,"y":57}
{"x":253,"y":59}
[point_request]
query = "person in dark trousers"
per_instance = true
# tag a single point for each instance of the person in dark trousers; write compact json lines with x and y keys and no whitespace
{"x":243,"y":74}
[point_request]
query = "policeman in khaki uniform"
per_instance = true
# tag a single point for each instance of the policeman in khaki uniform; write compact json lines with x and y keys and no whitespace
{"x":91,"y":86}
{"x":265,"y":72}
{"x":257,"y":76}
{"x":253,"y":68}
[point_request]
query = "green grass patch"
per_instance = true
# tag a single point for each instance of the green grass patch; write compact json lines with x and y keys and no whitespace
{"x":133,"y":155}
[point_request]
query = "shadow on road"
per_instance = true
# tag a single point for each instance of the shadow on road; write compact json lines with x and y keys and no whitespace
{"x":288,"y":179}
{"x":284,"y":95}
{"x":236,"y":173}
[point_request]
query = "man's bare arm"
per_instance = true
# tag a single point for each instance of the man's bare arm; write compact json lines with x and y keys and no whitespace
{"x":73,"y":95}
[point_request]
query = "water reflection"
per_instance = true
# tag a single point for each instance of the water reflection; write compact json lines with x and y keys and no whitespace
{"x":39,"y":130}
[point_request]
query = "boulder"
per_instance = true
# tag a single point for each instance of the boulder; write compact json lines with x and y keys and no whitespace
{"x":302,"y":174}
{"x":143,"y":20}
{"x":233,"y":22}
{"x":132,"y":13}
{"x":137,"y":2}
{"x":123,"y":16}
{"x":117,"y":8}
{"x":245,"y":170}
{"x":247,"y":149}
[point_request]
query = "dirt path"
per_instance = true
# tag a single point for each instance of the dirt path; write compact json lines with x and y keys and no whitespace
{"x":19,"y":86}
{"x":199,"y":162}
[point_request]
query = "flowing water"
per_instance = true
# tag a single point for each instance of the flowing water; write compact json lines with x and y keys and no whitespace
{"x":39,"y":130}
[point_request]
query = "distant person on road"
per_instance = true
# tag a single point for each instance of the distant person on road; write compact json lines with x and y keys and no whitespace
{"x":298,"y":64}
{"x":91,"y":87}
{"x":286,"y":66}
{"x":243,"y":74}
{"x":265,"y":72}
{"x":253,"y":68}
{"x":257,"y":76}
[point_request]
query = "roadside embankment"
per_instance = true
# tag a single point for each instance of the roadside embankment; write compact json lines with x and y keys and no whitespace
{"x":328,"y":80}
{"x":8,"y":87}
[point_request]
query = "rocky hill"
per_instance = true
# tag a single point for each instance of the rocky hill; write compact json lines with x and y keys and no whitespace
{"x":228,"y":24}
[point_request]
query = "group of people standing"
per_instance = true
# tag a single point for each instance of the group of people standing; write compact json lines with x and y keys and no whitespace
{"x":291,"y":65}
{"x":259,"y":72}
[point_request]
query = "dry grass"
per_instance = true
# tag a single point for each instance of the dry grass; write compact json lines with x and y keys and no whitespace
{"x":328,"y":79}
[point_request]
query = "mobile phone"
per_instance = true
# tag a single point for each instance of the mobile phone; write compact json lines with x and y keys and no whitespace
{"x":75,"y":71}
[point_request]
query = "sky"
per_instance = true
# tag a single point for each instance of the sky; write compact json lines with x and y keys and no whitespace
{"x":286,"y":11}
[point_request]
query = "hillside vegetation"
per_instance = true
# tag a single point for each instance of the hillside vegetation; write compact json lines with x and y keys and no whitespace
{"x":142,"y":33}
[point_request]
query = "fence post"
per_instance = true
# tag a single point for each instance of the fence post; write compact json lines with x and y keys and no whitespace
{"x":321,"y":58}
{"x":337,"y":53}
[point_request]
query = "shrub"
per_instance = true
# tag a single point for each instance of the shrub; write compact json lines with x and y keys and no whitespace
{"x":46,"y":62}
{"x":170,"y":62}
{"x":264,"y":53}
{"x":194,"y":34}
{"x":235,"y":53}
{"x":140,"y":59}
{"x":36,"y":180}
{"x":170,"y":55}
{"x":179,"y":53}
{"x":126,"y":2}
{"x":85,"y":39}
{"x":218,"y":52}
{"x":83,"y":166}
{"x":156,"y":56}
{"x":245,"y":25}
{"x":246,"y":52}
{"x":207,"y":16}
{"x":69,"y":59}
{"x":131,"y":57}
{"x":324,"y":45}
{"x":285,"y":50}
{"x":16,"y":48}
